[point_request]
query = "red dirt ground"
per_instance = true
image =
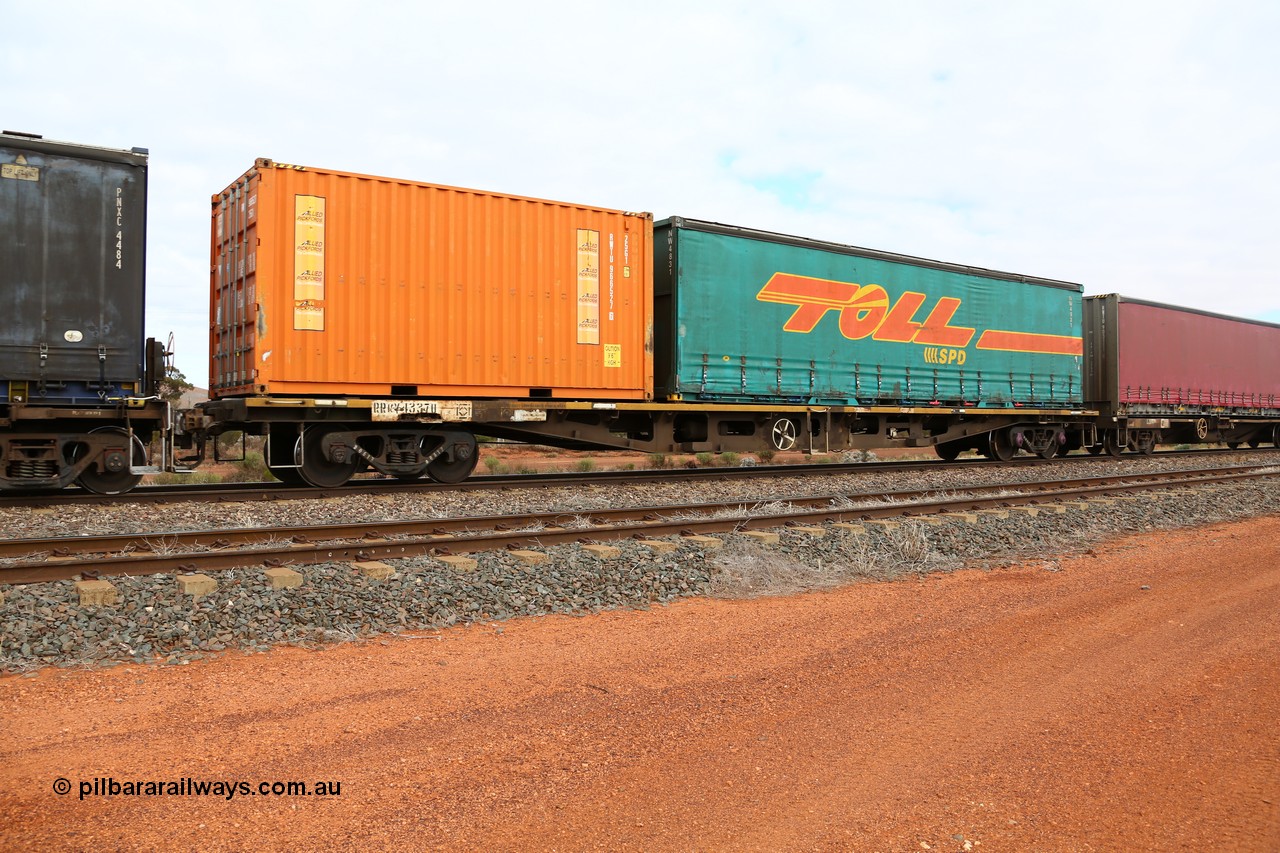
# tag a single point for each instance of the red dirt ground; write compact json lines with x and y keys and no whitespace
{"x":1016,"y":709}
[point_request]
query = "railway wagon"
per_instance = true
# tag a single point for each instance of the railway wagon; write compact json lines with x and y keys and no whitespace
{"x":77,"y":376}
{"x":1159,"y":372}
{"x":358,"y":321}
{"x":347,"y":357}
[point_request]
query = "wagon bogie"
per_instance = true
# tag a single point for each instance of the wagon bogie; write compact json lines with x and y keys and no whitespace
{"x":108,"y":459}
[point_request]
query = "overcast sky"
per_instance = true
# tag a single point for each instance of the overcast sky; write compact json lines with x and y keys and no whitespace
{"x":1130,"y":146}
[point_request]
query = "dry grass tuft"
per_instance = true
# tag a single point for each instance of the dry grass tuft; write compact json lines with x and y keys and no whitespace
{"x":741,"y":570}
{"x":744,"y":570}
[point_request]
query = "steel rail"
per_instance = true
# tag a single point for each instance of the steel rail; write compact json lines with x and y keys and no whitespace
{"x":68,"y":546}
{"x":604,"y":524}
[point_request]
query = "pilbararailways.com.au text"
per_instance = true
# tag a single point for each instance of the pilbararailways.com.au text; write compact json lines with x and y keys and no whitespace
{"x":188,"y":787}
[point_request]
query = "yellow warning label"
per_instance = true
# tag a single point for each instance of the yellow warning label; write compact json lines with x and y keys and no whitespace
{"x":613,"y":355}
{"x":308,"y":316}
{"x":308,"y":252}
{"x":588,"y":286}
{"x":19,"y":173}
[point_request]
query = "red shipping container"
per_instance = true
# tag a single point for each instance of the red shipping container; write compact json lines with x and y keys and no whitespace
{"x":333,"y":283}
{"x":1153,"y":358}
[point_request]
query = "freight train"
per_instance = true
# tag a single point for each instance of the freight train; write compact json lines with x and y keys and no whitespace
{"x":364,"y":323}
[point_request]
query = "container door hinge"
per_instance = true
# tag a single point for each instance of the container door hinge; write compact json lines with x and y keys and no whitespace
{"x":102,"y":372}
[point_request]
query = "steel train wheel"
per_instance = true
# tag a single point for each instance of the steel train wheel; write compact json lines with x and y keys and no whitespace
{"x":457,"y":463}
{"x":287,"y":475}
{"x":285,"y":443}
{"x":1111,"y":443}
{"x":1144,"y":444}
{"x":948,"y":450}
{"x":318,"y":471}
{"x":999,"y":445}
{"x":114,"y":482}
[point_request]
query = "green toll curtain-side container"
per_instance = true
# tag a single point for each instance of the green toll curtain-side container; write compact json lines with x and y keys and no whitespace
{"x":752,"y":316}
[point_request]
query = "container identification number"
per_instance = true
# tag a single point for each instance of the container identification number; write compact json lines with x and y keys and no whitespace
{"x":119,"y":227}
{"x":445,"y":410}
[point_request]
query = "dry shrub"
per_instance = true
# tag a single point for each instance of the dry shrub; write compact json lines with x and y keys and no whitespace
{"x":742,"y":570}
{"x":910,"y":548}
{"x":745,"y":570}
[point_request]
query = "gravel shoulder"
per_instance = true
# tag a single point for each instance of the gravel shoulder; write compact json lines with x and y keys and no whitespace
{"x":1123,"y":697}
{"x":44,"y":625}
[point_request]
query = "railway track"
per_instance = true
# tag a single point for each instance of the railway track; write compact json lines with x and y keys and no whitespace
{"x":35,"y":560}
{"x":276,"y":491}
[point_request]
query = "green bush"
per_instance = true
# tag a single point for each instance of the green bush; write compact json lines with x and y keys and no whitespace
{"x":196,"y":478}
{"x":659,"y":460}
{"x":585,"y":466}
{"x":227,"y":445}
{"x":729,"y":458}
{"x":766,"y":455}
{"x":494,"y":465}
{"x":252,"y":469}
{"x":705,"y":458}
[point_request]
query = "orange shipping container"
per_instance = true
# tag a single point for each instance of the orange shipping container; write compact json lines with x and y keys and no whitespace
{"x":333,"y":283}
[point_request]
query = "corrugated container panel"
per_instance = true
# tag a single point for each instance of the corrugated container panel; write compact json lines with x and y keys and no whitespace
{"x":335,"y":283}
{"x":72,"y":269}
{"x":1154,"y":358}
{"x":754,"y":316}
